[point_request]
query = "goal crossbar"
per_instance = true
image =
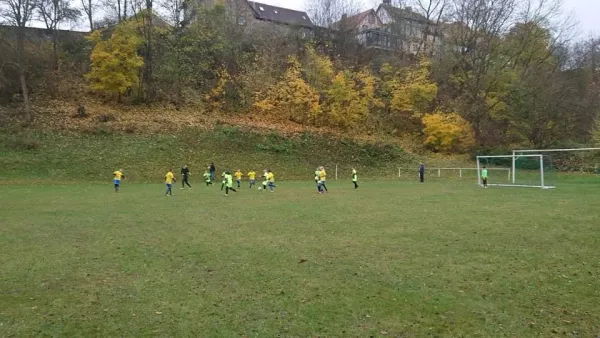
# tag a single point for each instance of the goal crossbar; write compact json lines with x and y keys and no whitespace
{"x":513,"y":157}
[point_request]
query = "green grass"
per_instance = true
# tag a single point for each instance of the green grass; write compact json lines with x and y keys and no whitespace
{"x":391,"y":259}
{"x":67,"y":156}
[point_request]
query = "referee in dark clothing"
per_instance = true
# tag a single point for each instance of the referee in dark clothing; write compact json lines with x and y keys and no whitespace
{"x":421,"y":172}
{"x":185,"y":175}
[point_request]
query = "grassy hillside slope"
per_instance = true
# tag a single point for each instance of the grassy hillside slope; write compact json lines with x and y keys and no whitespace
{"x":66,"y":155}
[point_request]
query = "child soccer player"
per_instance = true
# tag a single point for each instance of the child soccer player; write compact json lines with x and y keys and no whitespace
{"x":185,"y":175}
{"x":271,"y":180}
{"x":252,"y":177}
{"x":322,"y":180}
{"x":421,"y":172}
{"x":317,"y":180}
{"x":238,"y":177}
{"x":207,"y":178}
{"x":229,"y":183}
{"x":354,"y":178}
{"x":224,"y":180}
{"x":484,"y":176}
{"x":118,"y":175}
{"x":265,"y":180}
{"x":169,"y":180}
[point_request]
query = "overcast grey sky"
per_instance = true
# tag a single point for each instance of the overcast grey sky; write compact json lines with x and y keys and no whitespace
{"x":587,"y":12}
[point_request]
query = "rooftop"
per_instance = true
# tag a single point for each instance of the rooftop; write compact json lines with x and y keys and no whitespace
{"x":280,"y":15}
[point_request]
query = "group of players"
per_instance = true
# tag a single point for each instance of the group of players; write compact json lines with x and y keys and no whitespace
{"x":227,"y":179}
{"x":209,"y":176}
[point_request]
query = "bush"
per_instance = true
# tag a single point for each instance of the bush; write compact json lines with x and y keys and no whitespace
{"x":447,"y":132}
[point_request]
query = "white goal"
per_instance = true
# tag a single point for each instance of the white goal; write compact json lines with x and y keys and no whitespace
{"x":582,"y":163}
{"x":533,"y":170}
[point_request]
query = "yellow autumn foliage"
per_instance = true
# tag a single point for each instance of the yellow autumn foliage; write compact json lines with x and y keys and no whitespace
{"x":217,"y":94}
{"x":414,"y":92}
{"x":447,"y":132}
{"x":318,"y":69}
{"x":350,"y":99}
{"x":115,"y":63}
{"x":291,"y":97}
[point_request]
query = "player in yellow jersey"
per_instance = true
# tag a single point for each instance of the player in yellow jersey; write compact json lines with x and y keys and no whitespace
{"x":169,"y":180}
{"x":252,"y":177}
{"x":322,"y":180}
{"x":355,"y":178}
{"x":118,"y":175}
{"x":271,"y":180}
{"x":228,"y":183}
{"x":238,"y":177}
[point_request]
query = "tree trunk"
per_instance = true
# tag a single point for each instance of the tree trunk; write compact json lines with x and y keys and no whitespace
{"x":54,"y":48}
{"x":23,"y":72}
{"x":119,"y":19}
{"x":148,"y":62}
{"x":90,"y":15}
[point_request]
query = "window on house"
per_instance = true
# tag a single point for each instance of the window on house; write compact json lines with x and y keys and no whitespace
{"x":275,"y":11}
{"x":241,"y":20}
{"x":261,"y":8}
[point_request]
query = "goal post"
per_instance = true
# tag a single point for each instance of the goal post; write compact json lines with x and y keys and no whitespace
{"x":534,"y":172}
{"x":519,"y":152}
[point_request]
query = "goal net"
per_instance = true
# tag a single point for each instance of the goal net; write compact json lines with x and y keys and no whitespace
{"x":530,"y":170}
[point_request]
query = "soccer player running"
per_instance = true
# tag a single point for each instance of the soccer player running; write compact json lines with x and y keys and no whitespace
{"x":322,"y":180}
{"x":421,"y":172}
{"x":252,"y":178}
{"x":169,"y":180}
{"x":224,"y":180}
{"x":185,"y":176}
{"x":207,"y":178}
{"x":271,"y":180}
{"x":118,"y":175}
{"x":264,"y":182}
{"x":238,"y":177}
{"x":317,"y":179}
{"x":354,"y":178}
{"x":484,"y":177}
{"x":229,"y":183}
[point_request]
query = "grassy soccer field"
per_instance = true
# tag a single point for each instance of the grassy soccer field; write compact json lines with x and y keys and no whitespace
{"x":391,"y":259}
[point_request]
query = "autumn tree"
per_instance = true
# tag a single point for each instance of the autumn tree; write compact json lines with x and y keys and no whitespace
{"x":324,"y":13}
{"x":115,"y":63}
{"x":89,"y":7}
{"x":349,"y":99}
{"x":290,"y":98}
{"x":53,"y":13}
{"x":447,"y":132}
{"x":317,"y":69}
{"x":412,"y":95}
{"x":19,"y":13}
